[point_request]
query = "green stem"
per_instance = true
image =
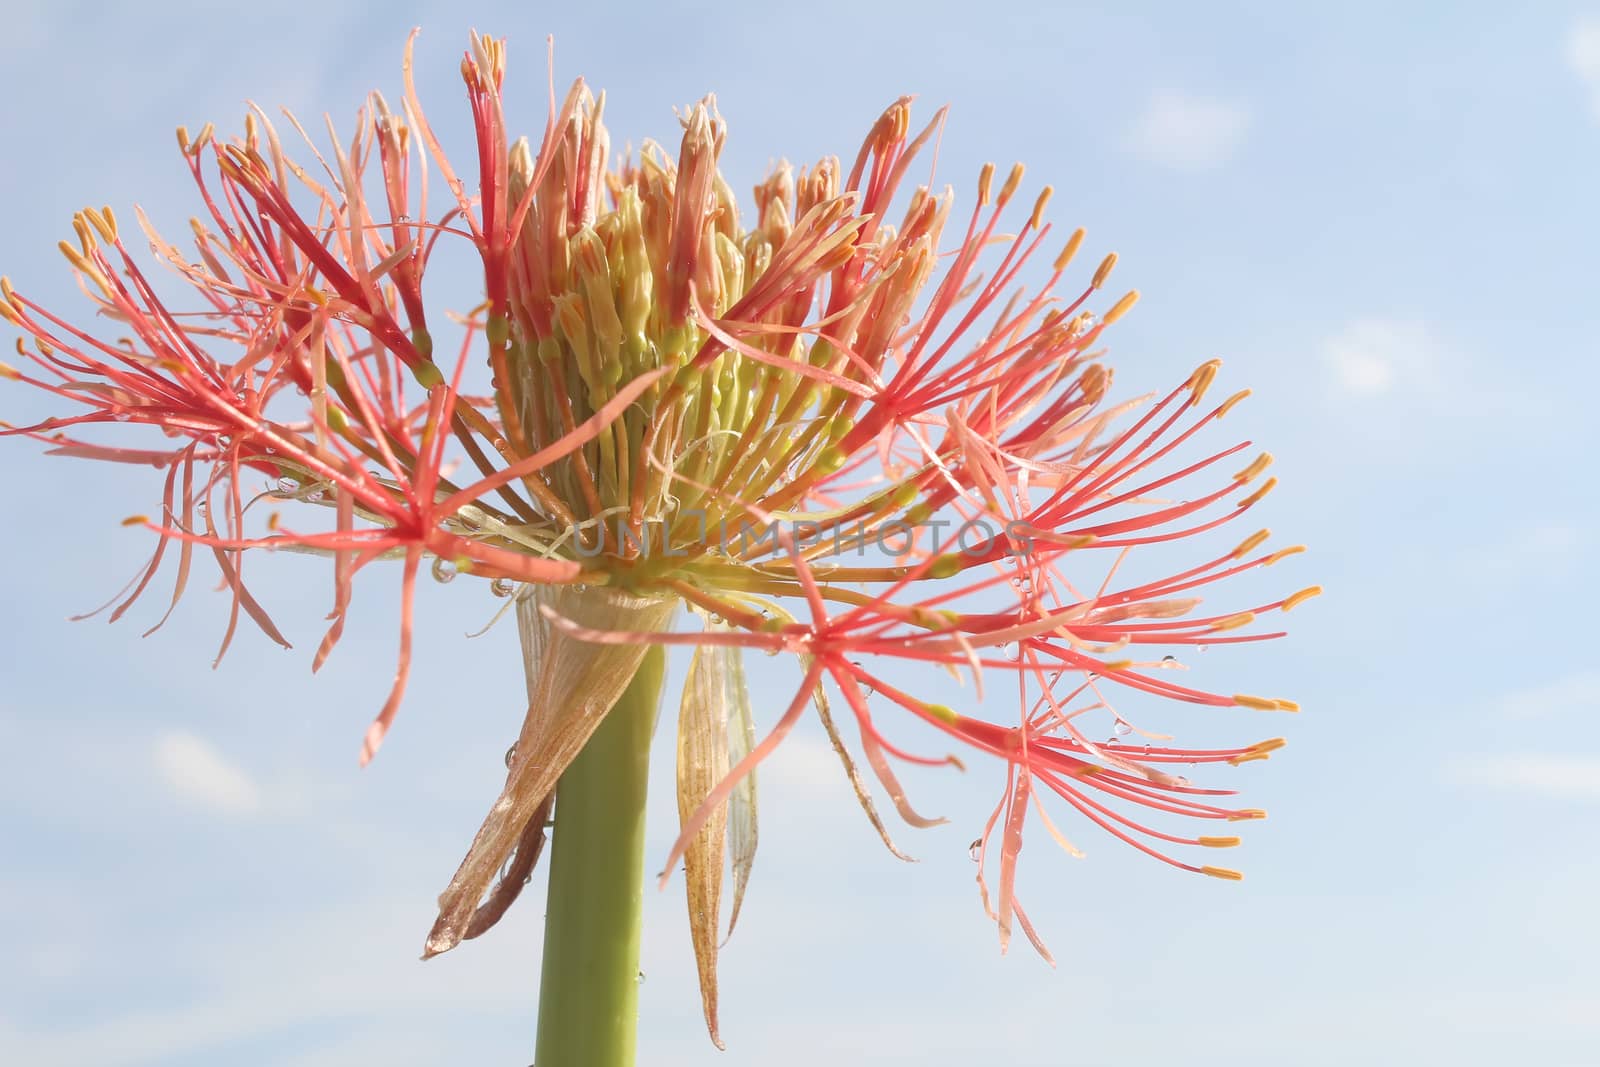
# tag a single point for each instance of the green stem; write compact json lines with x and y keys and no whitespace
{"x":589,"y":988}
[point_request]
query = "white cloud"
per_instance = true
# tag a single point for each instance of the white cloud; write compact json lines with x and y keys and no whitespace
{"x":1583,"y":56}
{"x":194,"y":770}
{"x":1187,"y":132}
{"x":1373,"y":355}
{"x":1575,"y":693}
{"x":1551,"y":775}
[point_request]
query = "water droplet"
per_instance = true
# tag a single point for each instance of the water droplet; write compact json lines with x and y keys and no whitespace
{"x":402,"y":218}
{"x":1180,"y":781}
{"x":270,"y":450}
{"x":443,"y":570}
{"x":121,"y":416}
{"x":1202,"y":648}
{"x":975,"y":849}
{"x":1122,"y":727}
{"x":284,"y":487}
{"x":315,"y":496}
{"x":640,"y":978}
{"x":511,"y":755}
{"x":1169,"y":659}
{"x":502,"y":587}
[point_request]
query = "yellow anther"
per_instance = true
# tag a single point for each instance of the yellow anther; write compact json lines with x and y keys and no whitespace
{"x":1073,"y":244}
{"x":1272,"y":744}
{"x":76,"y":258}
{"x":103,"y":222}
{"x":942,"y":713}
{"x":183,"y":139}
{"x":1302,"y":596}
{"x":9,"y":372}
{"x":86,"y":239}
{"x":1233,"y":622}
{"x":1227,"y":405}
{"x":1250,"y":544}
{"x":1288,"y":705}
{"x":1266,"y":487}
{"x":1244,"y":700}
{"x":1246,"y":814}
{"x":1009,"y":189}
{"x":1201,"y":380}
{"x":272,"y":522}
{"x":136,"y":520}
{"x":1038,"y":206}
{"x":1283,"y":553}
{"x":1247,"y":757}
{"x":985,"y":179}
{"x":1259,"y":464}
{"x":1116,"y":665}
{"x":1121,"y":307}
{"x":1104,"y":271}
{"x":1219,"y":842}
{"x":1226,"y":874}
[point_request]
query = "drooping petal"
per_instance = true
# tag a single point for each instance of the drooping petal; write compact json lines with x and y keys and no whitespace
{"x":571,"y":686}
{"x":702,"y":763}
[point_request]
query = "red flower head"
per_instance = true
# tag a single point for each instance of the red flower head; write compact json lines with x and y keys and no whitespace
{"x":867,"y":445}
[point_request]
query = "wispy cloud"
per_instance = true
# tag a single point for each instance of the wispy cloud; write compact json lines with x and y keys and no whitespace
{"x":1552,"y":775}
{"x":1583,"y":56}
{"x":1575,"y":693}
{"x":1548,"y":548}
{"x":1375,"y":355}
{"x":196,"y":772}
{"x":1187,"y":132}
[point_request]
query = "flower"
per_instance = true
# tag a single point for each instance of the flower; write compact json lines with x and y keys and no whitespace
{"x":861,"y":444}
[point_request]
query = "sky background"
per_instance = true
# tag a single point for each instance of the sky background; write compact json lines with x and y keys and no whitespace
{"x":1382,"y":219}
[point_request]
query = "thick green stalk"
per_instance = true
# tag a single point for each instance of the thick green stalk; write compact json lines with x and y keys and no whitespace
{"x":589,"y":989}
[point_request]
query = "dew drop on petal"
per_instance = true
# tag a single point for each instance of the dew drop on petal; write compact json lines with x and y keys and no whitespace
{"x":443,"y":570}
{"x":1122,"y":727}
{"x":975,"y":849}
{"x":284,"y":487}
{"x":511,"y":755}
{"x":1169,"y":659}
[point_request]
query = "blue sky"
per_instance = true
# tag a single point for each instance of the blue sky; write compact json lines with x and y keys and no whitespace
{"x":1382,"y":220}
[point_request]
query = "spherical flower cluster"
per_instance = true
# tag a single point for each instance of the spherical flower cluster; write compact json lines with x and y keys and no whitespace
{"x":829,"y":434}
